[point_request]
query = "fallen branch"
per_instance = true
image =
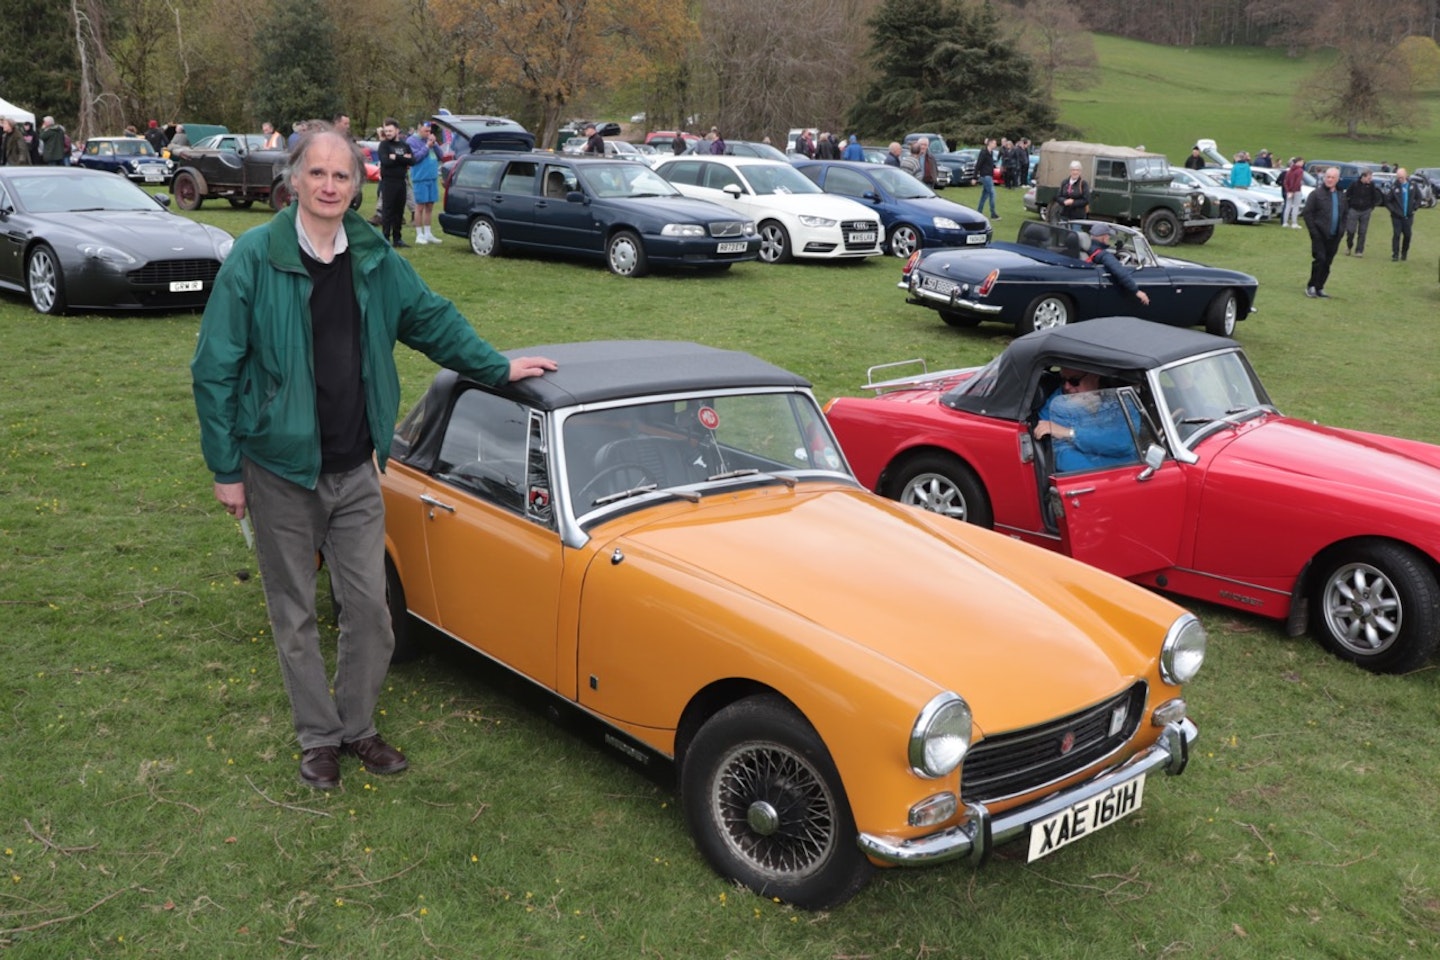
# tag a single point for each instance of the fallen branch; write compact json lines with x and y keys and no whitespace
{"x":74,"y":916}
{"x":287,"y":806}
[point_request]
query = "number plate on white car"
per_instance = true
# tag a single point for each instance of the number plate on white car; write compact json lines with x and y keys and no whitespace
{"x":1086,"y":817}
{"x":730,"y":246}
{"x":861,"y":238}
{"x":184,"y":286}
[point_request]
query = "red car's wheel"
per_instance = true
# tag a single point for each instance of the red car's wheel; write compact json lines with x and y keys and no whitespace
{"x":941,"y":484}
{"x":1378,"y":606}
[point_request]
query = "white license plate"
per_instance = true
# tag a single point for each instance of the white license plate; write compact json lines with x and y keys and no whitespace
{"x":1085,"y":818}
{"x":975,"y":238}
{"x":861,"y":238}
{"x":185,"y":286}
{"x":154,"y":176}
{"x":730,"y":246}
{"x":939,"y":285}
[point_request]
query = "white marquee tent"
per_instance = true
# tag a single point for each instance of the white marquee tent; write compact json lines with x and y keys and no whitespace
{"x":8,"y":109}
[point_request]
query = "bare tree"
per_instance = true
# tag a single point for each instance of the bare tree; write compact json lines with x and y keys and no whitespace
{"x":1369,"y":83}
{"x":1053,"y":36}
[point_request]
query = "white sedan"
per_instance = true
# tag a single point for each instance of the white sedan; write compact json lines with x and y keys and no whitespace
{"x":1236,"y":205}
{"x":795,"y":218}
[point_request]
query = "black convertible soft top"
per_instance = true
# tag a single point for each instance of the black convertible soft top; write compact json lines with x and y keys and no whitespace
{"x":1119,"y":347}
{"x":592,"y":372}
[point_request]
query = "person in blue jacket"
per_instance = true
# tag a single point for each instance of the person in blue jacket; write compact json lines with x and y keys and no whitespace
{"x":1086,"y":425}
{"x":853,"y":150}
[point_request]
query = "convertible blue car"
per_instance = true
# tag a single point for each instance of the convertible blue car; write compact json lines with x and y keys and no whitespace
{"x":913,"y":216}
{"x":1047,"y":279}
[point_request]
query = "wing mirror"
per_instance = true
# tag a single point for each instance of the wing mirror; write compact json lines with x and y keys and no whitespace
{"x":731,"y":190}
{"x":1154,"y":457}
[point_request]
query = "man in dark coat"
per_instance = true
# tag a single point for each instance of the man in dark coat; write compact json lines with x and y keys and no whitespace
{"x":1325,"y":215}
{"x":1401,"y":202}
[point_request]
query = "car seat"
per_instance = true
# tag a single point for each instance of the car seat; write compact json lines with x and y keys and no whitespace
{"x":555,"y":185}
{"x":1034,"y":234}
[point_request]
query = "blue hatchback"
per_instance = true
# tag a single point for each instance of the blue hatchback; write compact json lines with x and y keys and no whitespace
{"x":913,"y":216}
{"x":131,"y":157}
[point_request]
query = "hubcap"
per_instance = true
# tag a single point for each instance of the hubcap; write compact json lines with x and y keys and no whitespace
{"x":482,"y":239}
{"x":1050,"y":313}
{"x":773,"y":810}
{"x":42,"y":282}
{"x":622,"y":257}
{"x":935,"y":492}
{"x":1362,"y":610}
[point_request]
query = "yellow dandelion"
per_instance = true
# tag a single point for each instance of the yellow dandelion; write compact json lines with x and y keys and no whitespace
{"x":339,"y":902}
{"x":474,"y":859}
{"x":424,"y":911}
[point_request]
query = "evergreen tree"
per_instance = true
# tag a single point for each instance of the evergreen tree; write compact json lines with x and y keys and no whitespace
{"x":38,"y":61}
{"x":949,"y":67}
{"x":299,"y":68}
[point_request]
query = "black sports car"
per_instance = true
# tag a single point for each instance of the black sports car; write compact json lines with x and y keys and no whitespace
{"x":82,"y":238}
{"x":1046,"y":279}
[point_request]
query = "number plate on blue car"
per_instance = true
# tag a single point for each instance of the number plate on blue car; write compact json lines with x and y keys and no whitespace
{"x":730,"y":246}
{"x":975,"y":238}
{"x":1086,"y":817}
{"x":938,"y":284}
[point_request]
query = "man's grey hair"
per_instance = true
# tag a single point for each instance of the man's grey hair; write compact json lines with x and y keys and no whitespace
{"x":316,"y":130}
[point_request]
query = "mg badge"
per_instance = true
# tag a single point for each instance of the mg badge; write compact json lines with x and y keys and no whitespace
{"x":1067,"y":742}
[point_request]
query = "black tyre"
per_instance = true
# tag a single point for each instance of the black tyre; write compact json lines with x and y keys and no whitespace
{"x":904,"y":240}
{"x":941,"y":484}
{"x":279,"y":196}
{"x":407,"y":632}
{"x":188,"y":195}
{"x":1228,"y":212}
{"x":45,"y":280}
{"x":1046,"y":312}
{"x":961,"y":320}
{"x":625,"y":255}
{"x":1377,"y":605}
{"x":239,"y":204}
{"x":766,"y":807}
{"x":1222,"y":314}
{"x":484,"y":237}
{"x":1162,"y":228}
{"x":775,"y":243}
{"x":1053,"y":213}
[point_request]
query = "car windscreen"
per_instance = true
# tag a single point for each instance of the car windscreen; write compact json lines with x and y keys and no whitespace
{"x":1149,"y":168}
{"x":627,"y":179}
{"x":766,"y":179}
{"x":134,"y":148}
{"x":621,"y":451}
{"x":80,"y":192}
{"x":1211,"y":389}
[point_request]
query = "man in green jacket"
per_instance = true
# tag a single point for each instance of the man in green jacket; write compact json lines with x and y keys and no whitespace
{"x":297,"y":392}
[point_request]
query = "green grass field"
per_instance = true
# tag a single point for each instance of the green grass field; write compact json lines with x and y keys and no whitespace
{"x":148,"y":802}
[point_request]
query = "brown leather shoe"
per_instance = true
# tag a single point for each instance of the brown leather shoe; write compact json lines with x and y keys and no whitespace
{"x":320,"y":767}
{"x":377,"y":755}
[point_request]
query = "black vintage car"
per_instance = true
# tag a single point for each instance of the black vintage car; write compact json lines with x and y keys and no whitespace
{"x":235,"y":166}
{"x":1047,"y":279}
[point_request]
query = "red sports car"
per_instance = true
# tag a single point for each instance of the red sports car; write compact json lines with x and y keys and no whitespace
{"x":1178,"y":473}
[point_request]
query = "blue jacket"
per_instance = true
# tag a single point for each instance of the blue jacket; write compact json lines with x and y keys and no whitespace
{"x":853,"y":150}
{"x":1102,"y":434}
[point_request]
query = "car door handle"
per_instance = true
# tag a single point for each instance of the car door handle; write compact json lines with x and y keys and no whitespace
{"x":1074,"y":495}
{"x":428,"y":500}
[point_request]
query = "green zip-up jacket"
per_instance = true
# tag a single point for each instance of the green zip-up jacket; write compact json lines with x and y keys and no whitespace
{"x":254,"y":369}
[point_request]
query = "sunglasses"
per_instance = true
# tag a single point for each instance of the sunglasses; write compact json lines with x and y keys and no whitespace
{"x":1075,"y":381}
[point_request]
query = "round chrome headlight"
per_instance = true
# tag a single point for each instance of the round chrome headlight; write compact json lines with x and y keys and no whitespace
{"x":1184,"y":650}
{"x":941,"y":735}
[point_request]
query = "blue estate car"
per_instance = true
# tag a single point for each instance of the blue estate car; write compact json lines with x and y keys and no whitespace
{"x":131,"y":157}
{"x":913,"y":215}
{"x":615,"y":210}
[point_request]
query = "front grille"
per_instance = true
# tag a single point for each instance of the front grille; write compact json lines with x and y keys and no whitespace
{"x":848,"y":227}
{"x":1017,"y":762}
{"x":162,"y":272}
{"x":728,"y":228}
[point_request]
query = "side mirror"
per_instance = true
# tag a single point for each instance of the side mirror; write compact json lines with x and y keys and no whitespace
{"x":1154,"y":457}
{"x":872,"y":196}
{"x":732,"y":190}
{"x":574,"y":196}
{"x":163,"y":199}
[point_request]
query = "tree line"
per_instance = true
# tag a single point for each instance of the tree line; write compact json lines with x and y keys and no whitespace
{"x":964,"y":68}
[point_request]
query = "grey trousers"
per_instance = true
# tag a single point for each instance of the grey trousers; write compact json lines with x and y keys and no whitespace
{"x":343,"y":517}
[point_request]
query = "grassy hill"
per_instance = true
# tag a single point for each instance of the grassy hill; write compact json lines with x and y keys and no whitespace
{"x":1245,"y":98}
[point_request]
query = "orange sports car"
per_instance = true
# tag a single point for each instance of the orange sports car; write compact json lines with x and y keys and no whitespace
{"x":667,"y":536}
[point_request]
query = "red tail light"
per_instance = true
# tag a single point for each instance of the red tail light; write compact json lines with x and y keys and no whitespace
{"x":910,"y":264}
{"x":985,"y":285}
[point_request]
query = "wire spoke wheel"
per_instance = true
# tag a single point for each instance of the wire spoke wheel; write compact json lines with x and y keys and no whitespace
{"x":774,"y":810}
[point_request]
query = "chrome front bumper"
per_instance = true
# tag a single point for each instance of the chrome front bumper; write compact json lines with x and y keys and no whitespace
{"x":975,"y":838}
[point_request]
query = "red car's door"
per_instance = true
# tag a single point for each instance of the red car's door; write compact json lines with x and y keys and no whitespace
{"x":1114,"y":520}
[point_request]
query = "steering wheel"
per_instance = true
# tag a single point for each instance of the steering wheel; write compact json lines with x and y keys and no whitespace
{"x":606,"y":473}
